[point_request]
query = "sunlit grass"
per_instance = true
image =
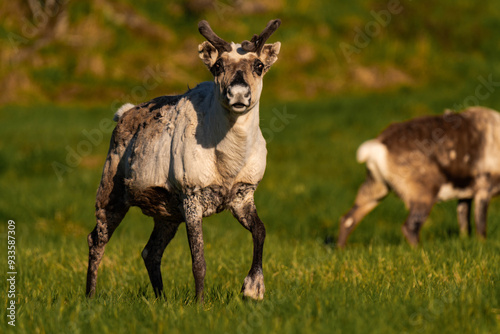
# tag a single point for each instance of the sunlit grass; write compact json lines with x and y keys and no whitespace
{"x":378,"y":284}
{"x":50,"y":170}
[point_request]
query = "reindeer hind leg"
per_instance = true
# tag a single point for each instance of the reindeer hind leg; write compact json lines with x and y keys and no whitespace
{"x":163,"y":232}
{"x":370,"y":193}
{"x":419,"y":211}
{"x":107,"y":222}
{"x":111,"y":208}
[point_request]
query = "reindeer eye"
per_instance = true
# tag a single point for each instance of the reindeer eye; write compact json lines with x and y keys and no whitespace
{"x":258,"y":67}
{"x":217,"y":68}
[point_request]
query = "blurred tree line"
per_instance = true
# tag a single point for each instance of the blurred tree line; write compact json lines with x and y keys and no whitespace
{"x":100,"y":51}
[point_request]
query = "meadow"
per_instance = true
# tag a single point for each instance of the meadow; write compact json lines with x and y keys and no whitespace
{"x":378,"y":284}
{"x":318,"y":105}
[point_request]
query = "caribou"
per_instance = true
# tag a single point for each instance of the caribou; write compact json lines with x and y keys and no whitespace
{"x":428,"y":159}
{"x":184,"y":157}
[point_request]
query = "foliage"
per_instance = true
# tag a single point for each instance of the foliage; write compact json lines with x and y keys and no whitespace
{"x":101,"y":50}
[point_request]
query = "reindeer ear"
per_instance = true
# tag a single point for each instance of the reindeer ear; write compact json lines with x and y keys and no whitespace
{"x":269,"y":53}
{"x":208,"y":53}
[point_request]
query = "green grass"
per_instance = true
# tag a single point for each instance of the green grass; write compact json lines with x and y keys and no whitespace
{"x":378,"y":284}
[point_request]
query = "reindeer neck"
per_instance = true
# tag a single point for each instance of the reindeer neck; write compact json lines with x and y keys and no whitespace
{"x":235,"y":138}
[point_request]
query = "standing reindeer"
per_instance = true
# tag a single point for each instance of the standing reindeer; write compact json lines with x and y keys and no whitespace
{"x":181,"y":158}
{"x":452,"y":156}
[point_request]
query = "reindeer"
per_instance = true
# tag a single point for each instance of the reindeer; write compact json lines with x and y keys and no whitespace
{"x":427,"y":159}
{"x":181,"y":158}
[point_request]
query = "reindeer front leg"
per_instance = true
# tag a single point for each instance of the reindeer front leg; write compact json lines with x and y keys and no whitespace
{"x":481,"y":201}
{"x":463,"y":215}
{"x":193,"y":215}
{"x":243,"y":209}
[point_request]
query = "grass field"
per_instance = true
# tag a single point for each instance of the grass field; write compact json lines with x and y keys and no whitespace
{"x":378,"y":284}
{"x":62,"y":72}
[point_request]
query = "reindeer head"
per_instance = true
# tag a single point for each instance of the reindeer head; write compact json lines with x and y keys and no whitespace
{"x":238,"y":68}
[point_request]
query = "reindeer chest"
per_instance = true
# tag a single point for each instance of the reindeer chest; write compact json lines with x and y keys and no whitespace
{"x":211,"y":177}
{"x":217,"y":167}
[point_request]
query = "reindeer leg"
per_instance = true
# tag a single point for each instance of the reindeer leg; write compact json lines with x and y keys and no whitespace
{"x":369,"y":195}
{"x":481,"y":203}
{"x":111,"y":207}
{"x":416,"y":218}
{"x":107,"y":221}
{"x":163,"y":232}
{"x":193,"y":216}
{"x":243,"y":209}
{"x":463,"y":215}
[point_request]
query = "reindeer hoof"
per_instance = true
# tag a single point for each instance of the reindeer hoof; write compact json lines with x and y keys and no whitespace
{"x":253,"y":287}
{"x":411,"y":236}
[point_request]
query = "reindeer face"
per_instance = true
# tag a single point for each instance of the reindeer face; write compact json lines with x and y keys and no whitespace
{"x":238,"y":68}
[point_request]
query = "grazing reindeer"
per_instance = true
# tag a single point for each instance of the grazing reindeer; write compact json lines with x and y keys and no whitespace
{"x":182,"y":158}
{"x":429,"y":159}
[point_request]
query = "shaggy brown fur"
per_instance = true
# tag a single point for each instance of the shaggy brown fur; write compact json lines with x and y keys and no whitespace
{"x":429,"y":159}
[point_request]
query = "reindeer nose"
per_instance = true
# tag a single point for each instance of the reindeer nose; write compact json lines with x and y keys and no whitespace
{"x":238,"y":97}
{"x":238,"y":92}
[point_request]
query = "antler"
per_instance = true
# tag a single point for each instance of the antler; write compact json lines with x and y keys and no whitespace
{"x":207,"y":32}
{"x":257,"y":42}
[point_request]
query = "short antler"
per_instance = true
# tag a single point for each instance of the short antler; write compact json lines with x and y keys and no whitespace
{"x":207,"y":32}
{"x":257,"y":42}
